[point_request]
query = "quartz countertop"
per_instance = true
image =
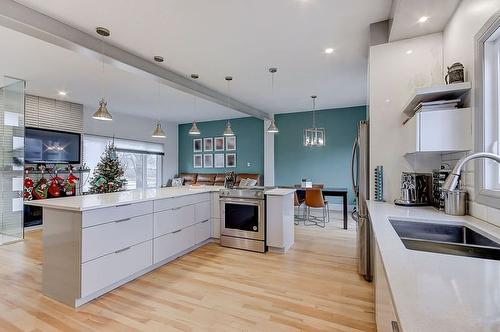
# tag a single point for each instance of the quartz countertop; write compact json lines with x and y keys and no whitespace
{"x":437,"y":292}
{"x":279,"y":191}
{"x":91,"y":202}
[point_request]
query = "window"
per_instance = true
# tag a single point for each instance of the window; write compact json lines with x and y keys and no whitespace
{"x":142,"y":161}
{"x":487,"y":102}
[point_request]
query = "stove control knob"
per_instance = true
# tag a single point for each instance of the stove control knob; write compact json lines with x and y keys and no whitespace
{"x":258,"y":194}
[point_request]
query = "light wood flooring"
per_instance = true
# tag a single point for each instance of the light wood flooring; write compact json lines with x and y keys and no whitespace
{"x":314,"y":287}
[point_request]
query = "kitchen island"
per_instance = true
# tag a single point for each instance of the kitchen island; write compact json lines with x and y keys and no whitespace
{"x":95,"y":243}
{"x":425,"y":291}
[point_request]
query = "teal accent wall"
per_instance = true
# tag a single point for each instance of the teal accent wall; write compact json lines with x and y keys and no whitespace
{"x":330,"y":165}
{"x":249,"y":134}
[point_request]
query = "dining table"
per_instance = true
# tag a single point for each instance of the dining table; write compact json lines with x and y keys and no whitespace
{"x":332,"y":192}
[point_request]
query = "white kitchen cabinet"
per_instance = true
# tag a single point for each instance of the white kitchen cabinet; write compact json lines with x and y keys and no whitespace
{"x":173,"y":219}
{"x":102,"y":239}
{"x":280,"y":221}
{"x":171,"y":244}
{"x":215,"y":215}
{"x":385,"y":314}
{"x":121,"y":211}
{"x":202,"y":231}
{"x":105,"y":271}
{"x":440,"y":131}
{"x":202,"y":211}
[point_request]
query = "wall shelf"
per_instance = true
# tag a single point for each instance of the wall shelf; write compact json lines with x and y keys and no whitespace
{"x":433,"y":93}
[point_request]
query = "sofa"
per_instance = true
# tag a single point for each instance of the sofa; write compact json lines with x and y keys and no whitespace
{"x":216,"y":179}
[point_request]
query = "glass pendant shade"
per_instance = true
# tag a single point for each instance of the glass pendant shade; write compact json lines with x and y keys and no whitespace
{"x":314,"y":137}
{"x":158,"y":133}
{"x":228,"y":131}
{"x":194,"y":129}
{"x":102,"y":112}
{"x":272,"y":128}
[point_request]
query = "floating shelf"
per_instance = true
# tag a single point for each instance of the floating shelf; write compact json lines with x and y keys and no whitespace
{"x":433,"y":93}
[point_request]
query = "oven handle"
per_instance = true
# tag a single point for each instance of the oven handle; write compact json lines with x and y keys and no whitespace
{"x":240,"y":201}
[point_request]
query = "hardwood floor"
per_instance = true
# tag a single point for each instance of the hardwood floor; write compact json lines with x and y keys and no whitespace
{"x":314,"y":287}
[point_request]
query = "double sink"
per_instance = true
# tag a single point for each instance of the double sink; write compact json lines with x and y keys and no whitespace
{"x":446,"y":239}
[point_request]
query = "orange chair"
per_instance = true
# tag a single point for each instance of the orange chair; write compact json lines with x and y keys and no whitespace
{"x":297,"y":203}
{"x":315,"y":200}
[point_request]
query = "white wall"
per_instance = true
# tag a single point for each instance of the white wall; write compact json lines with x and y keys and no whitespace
{"x":393,"y":76}
{"x":136,"y":128}
{"x":458,"y":46}
{"x":268,"y":155}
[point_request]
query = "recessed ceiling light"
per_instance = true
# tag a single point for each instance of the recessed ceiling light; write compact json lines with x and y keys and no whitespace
{"x":158,"y":58}
{"x":387,"y":100}
{"x":62,"y":93}
{"x":423,"y":19}
{"x":102,"y":31}
{"x":329,"y":50}
{"x":409,"y":52}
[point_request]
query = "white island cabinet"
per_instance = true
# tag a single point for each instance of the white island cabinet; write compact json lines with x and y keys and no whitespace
{"x":93,"y":244}
{"x":280,"y":219}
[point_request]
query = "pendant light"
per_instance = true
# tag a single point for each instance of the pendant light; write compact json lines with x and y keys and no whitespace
{"x":314,"y":137}
{"x":158,"y":132}
{"x":228,"y":131}
{"x":102,"y":111}
{"x":272,"y":127}
{"x":194,"y":128}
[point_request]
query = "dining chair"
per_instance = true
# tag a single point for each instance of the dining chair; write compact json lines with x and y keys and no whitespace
{"x":315,"y":200}
{"x":297,"y":203}
{"x":322,"y":186}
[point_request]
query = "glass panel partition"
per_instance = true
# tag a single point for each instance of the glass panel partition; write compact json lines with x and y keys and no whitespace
{"x":11,"y":160}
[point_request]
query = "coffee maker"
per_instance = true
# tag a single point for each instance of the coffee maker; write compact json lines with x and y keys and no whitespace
{"x":416,"y":189}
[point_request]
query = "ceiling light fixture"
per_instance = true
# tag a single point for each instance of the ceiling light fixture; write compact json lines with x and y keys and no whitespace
{"x":423,"y":19}
{"x":228,"y":131}
{"x":329,"y":50}
{"x":102,"y":111}
{"x":158,"y":132}
{"x":62,"y":93}
{"x":409,"y":52}
{"x":273,"y":129}
{"x":314,"y":137}
{"x":194,"y":128}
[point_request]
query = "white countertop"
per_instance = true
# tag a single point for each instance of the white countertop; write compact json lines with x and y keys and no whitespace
{"x":90,"y":202}
{"x":437,"y":292}
{"x":279,"y":191}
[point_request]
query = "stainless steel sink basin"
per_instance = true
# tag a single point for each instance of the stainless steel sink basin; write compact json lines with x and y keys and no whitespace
{"x":446,"y":239}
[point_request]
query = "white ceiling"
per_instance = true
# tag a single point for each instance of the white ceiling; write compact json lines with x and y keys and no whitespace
{"x":216,"y":38}
{"x":48,"y":69}
{"x":406,"y":13}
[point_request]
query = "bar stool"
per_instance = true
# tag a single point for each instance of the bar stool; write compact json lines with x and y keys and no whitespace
{"x":297,"y":203}
{"x":315,"y":200}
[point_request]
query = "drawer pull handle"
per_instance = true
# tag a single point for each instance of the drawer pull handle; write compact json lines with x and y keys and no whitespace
{"x":122,"y":250}
{"x":177,"y":208}
{"x":126,"y":204}
{"x":204,"y":221}
{"x":177,"y":231}
{"x":122,"y":220}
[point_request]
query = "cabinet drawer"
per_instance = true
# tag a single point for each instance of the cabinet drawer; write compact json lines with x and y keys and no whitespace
{"x":119,"y":212}
{"x":169,"y":203}
{"x":202,"y":231}
{"x":109,"y":269}
{"x":173,"y":243}
{"x":172,"y":220}
{"x":202,"y":211}
{"x":103,"y":239}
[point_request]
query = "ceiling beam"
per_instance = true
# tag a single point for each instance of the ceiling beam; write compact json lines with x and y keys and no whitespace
{"x":30,"y":22}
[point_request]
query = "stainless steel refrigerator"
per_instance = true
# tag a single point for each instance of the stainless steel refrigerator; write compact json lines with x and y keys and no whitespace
{"x":360,"y":168}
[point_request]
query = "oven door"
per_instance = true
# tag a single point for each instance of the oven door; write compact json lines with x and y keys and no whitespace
{"x":242,"y":218}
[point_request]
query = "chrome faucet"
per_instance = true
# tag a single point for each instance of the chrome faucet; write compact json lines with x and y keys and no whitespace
{"x":451,"y":181}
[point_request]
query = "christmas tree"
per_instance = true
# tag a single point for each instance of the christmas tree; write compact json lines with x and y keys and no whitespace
{"x":108,"y":174}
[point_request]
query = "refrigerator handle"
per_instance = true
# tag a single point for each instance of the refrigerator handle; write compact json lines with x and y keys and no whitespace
{"x":353,"y":175}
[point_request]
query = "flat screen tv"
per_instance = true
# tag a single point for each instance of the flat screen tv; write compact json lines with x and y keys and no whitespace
{"x":51,"y":146}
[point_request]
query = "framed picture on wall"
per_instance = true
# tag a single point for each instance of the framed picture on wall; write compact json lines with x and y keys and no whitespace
{"x":219,"y":143}
{"x":219,"y":160}
{"x":208,"y":144}
{"x":230,"y":159}
{"x":208,"y":160}
{"x":197,"y":145}
{"x":197,"y":161}
{"x":231,"y":143}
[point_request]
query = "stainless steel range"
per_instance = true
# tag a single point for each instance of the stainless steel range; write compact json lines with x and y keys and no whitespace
{"x":243,"y":218}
